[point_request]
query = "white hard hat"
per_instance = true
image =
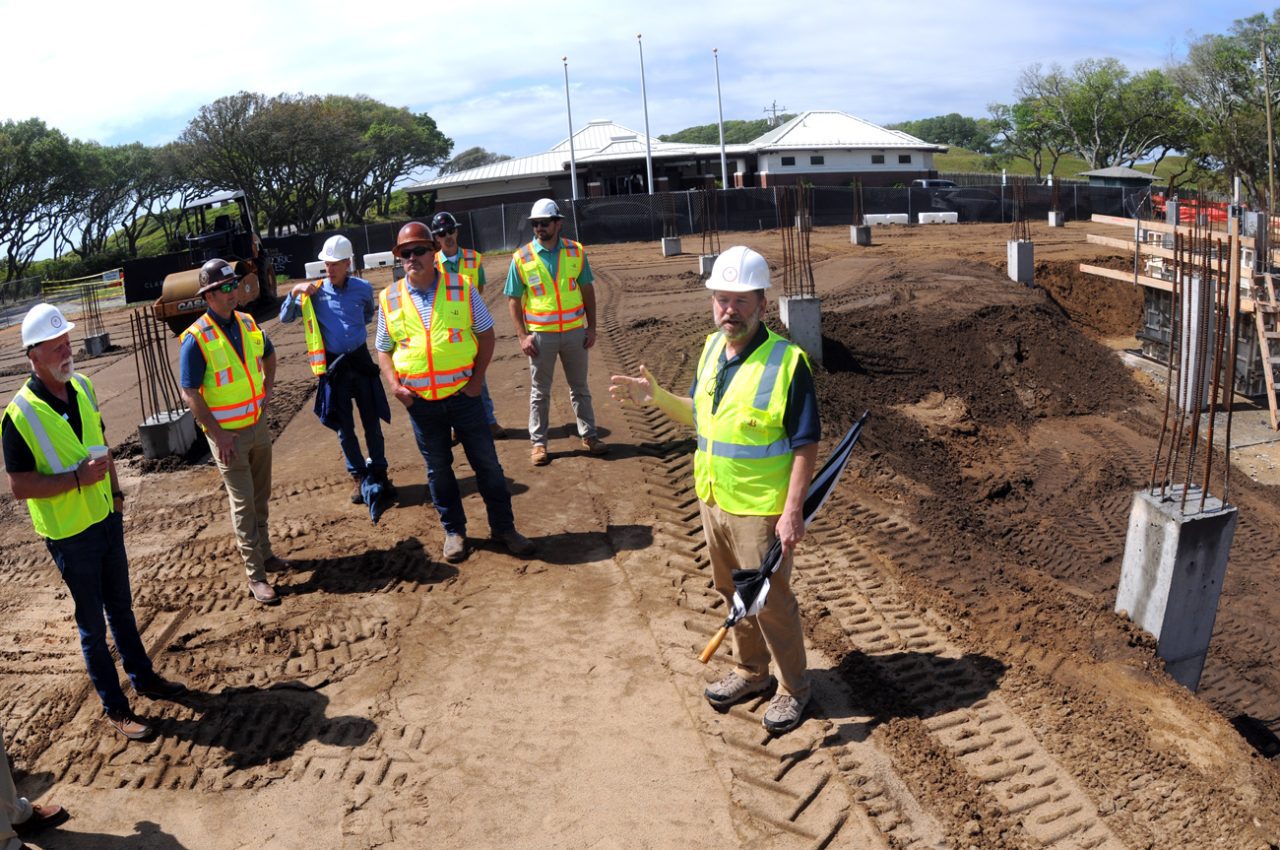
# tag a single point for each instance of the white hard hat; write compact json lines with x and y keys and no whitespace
{"x":44,"y":322}
{"x":739,"y":269}
{"x":336,"y":249}
{"x":545,"y":208}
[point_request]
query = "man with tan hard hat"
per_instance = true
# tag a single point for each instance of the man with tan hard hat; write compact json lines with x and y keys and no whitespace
{"x":755,"y":411}
{"x":228,"y":371}
{"x":335,"y":314}
{"x":435,"y":340}
{"x":553,"y":307}
{"x":56,"y":457}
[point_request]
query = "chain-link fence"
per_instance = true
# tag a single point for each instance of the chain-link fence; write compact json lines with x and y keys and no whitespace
{"x":647,"y":218}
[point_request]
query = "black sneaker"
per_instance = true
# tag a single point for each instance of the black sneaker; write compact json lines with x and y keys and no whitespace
{"x":160,"y":688}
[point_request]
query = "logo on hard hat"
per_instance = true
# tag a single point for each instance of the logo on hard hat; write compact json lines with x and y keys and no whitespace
{"x":55,"y":321}
{"x":730,"y":274}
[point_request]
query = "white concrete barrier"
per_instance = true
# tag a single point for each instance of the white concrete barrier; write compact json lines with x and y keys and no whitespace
{"x":380,"y":260}
{"x":938,"y":217}
{"x":315,"y":269}
{"x":887,"y":218}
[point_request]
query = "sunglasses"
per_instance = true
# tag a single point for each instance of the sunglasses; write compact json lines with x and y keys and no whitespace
{"x":416,"y":251}
{"x":229,"y":287}
{"x":449,"y":232}
{"x":542,"y":222}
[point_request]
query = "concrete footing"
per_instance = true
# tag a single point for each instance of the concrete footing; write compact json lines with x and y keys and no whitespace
{"x":802,"y":316}
{"x":705,"y":262}
{"x":1022,"y":258}
{"x":804,"y":222}
{"x":97,"y":344}
{"x":860,"y":234}
{"x":170,"y":433}
{"x":1172,"y":576}
{"x":1057,"y":219}
{"x":671,"y":246}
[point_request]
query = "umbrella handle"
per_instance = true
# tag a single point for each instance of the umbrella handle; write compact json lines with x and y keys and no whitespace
{"x":713,"y":644}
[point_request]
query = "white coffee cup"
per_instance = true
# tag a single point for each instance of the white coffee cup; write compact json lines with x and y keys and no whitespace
{"x":97,"y":452}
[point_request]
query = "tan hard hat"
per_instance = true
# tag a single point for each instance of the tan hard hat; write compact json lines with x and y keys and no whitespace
{"x":414,"y":231}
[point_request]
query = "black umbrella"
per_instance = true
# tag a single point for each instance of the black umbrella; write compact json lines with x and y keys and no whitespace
{"x":751,"y":587}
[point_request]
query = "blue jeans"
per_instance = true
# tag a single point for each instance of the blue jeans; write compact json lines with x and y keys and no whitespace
{"x":361,"y":389}
{"x":488,"y":403}
{"x":95,"y":568}
{"x":464,"y":415}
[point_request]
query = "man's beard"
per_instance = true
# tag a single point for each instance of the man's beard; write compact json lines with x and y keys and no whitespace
{"x":63,"y":371}
{"x":746,"y":327}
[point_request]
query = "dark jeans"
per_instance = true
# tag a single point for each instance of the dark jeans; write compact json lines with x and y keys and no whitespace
{"x":95,"y":568}
{"x":361,"y":390}
{"x":464,"y":415}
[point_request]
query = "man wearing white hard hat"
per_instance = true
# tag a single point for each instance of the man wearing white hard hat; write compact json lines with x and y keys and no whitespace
{"x":336,"y":313}
{"x":56,"y":457}
{"x":755,"y":411}
{"x":553,"y":307}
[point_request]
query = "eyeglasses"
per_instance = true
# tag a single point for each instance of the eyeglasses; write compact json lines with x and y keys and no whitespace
{"x":415,"y":251}
{"x":449,"y":232}
{"x":716,"y":387}
{"x":542,"y":222}
{"x":229,"y":286}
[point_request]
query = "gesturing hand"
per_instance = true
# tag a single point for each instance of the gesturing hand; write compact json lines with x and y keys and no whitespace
{"x":628,"y":390}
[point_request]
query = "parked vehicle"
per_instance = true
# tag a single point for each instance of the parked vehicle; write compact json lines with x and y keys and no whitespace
{"x":932,"y":183}
{"x":174,"y":277}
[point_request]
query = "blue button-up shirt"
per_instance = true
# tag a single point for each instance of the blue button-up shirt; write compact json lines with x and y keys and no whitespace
{"x":343,"y":314}
{"x":514,"y":287}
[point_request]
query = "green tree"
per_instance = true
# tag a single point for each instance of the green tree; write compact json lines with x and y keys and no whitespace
{"x":39,"y":179}
{"x":735,"y":132}
{"x":1023,"y":131}
{"x":953,"y":129}
{"x":471,"y":158}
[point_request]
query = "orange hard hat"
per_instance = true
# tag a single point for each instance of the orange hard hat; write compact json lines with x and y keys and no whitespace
{"x":414,"y":231}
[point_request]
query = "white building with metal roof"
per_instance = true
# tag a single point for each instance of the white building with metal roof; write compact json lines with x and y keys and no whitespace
{"x":824,"y":148}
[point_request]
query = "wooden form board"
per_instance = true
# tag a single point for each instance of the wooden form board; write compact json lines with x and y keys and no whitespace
{"x":1159,"y":227}
{"x":1246,"y":304}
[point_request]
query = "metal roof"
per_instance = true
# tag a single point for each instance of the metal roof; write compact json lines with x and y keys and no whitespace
{"x":1121,"y":172}
{"x":834,"y":129}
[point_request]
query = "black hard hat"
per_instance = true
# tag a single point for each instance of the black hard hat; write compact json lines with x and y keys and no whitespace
{"x":442,"y":222}
{"x":215,"y":272}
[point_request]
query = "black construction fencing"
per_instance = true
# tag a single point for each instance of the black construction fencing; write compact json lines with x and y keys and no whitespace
{"x":647,"y":218}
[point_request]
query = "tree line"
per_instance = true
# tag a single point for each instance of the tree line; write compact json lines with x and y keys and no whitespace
{"x":301,"y":160}
{"x":1211,"y":108}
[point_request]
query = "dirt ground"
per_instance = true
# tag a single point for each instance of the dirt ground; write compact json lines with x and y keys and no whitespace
{"x":973,"y":686}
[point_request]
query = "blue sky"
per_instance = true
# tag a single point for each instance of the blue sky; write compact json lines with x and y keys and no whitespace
{"x":490,"y":73}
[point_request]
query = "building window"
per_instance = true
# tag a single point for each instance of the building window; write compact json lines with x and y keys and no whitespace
{"x":817,"y":160}
{"x":904,"y":159}
{"x":788,"y":160}
{"x":877,"y":159}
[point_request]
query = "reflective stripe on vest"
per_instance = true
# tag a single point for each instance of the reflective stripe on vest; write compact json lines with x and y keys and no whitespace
{"x":744,"y":456}
{"x":57,"y":450}
{"x":233,"y":387}
{"x":552,"y":305}
{"x":437,"y":363}
{"x":315,"y":342}
{"x":468,"y":265}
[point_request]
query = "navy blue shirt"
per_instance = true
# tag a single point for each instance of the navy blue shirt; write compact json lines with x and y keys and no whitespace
{"x":800,"y":420}
{"x":191,"y":358}
{"x":343,"y":314}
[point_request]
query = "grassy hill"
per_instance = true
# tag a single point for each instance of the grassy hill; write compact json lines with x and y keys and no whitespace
{"x":1069,"y":167}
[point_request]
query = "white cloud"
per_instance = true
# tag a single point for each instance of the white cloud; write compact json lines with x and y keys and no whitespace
{"x":491,"y":73}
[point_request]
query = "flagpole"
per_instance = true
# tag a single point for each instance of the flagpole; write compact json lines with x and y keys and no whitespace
{"x":573,"y":162}
{"x":648,"y":149}
{"x":724,"y":163}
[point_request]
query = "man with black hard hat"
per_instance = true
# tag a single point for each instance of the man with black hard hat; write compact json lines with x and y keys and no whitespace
{"x":228,"y":370}
{"x":468,"y":263}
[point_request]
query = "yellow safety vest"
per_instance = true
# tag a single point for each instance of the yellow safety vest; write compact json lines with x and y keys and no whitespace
{"x":315,"y":342}
{"x":743,"y":459}
{"x":57,"y":449}
{"x":434,"y":364}
{"x":468,"y":265}
{"x":551,"y":305}
{"x":233,"y":387}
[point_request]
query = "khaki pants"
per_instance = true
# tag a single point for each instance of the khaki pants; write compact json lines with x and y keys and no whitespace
{"x":567,"y":348}
{"x":248,"y":482}
{"x":13,"y":809}
{"x":740,"y":543}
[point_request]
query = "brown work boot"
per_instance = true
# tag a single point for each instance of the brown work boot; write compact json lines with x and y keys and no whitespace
{"x":263,"y":592}
{"x":595,"y":445}
{"x":539,"y":456}
{"x":129,"y":724}
{"x":357,"y":495}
